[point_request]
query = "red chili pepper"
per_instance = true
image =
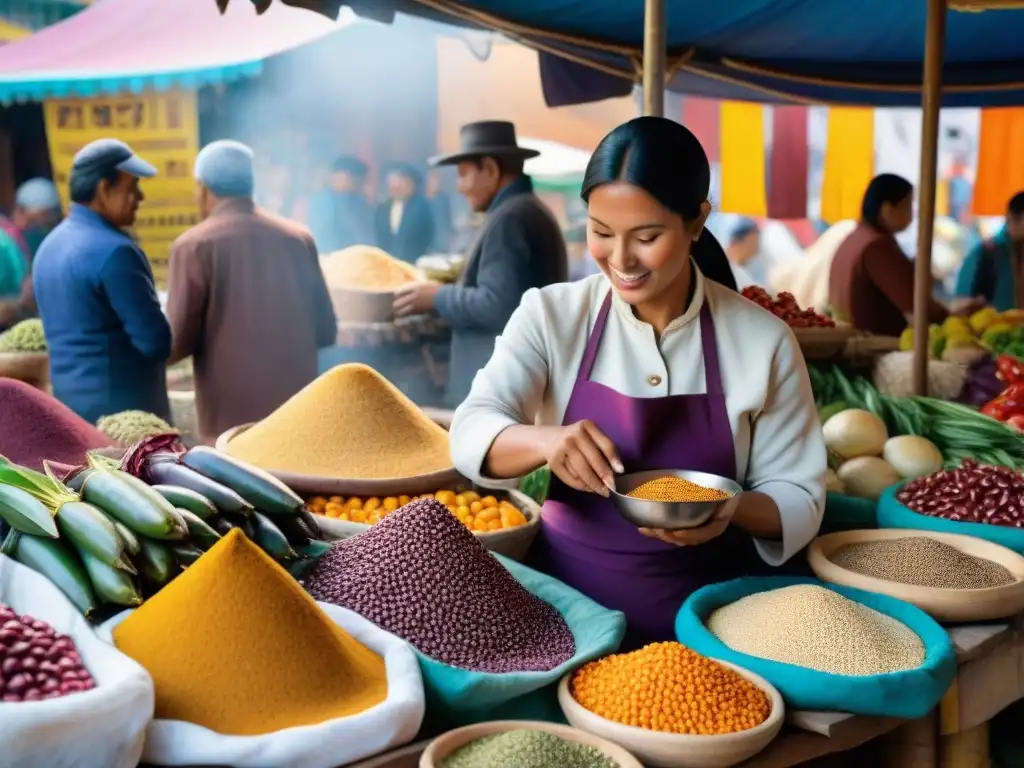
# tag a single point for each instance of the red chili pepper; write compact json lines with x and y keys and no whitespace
{"x":1009,"y":369}
{"x":994,"y":409}
{"x":1017,"y":421}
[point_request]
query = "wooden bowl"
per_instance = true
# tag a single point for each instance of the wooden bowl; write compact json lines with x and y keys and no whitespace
{"x":312,"y":485}
{"x":949,"y":605}
{"x":444,"y":745}
{"x":513,"y":543}
{"x":822,"y":343}
{"x":673,"y":750}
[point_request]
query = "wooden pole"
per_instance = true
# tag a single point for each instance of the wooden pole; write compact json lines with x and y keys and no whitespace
{"x":931,"y":100}
{"x":655,"y":53}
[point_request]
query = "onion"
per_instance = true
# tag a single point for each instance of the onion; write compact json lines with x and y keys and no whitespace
{"x":912,"y":456}
{"x":867,"y":477}
{"x":853,"y":432}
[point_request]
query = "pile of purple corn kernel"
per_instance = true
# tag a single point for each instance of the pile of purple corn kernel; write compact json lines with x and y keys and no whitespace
{"x":36,"y":662}
{"x":420,"y":574}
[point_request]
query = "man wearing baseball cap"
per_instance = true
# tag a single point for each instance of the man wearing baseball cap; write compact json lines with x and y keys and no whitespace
{"x":107,"y":336}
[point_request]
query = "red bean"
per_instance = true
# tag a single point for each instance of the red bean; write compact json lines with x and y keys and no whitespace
{"x":36,"y":662}
{"x":971,"y":493}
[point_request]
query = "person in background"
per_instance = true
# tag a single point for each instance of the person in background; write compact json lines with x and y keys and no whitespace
{"x":108,"y":338}
{"x":340,"y":215}
{"x":994,"y":269}
{"x":36,"y":212}
{"x":247,"y":300}
{"x":404,"y":223}
{"x":441,"y":209}
{"x":744,"y":245}
{"x":519,"y":247}
{"x":871,"y":282}
{"x":649,"y":366}
{"x":277,"y":193}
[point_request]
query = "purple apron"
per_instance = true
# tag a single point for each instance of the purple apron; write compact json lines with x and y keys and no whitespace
{"x":586,"y":544}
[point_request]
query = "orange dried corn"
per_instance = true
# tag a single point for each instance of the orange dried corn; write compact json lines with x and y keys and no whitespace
{"x":479,"y":514}
{"x":675,"y":489}
{"x":669,"y":688}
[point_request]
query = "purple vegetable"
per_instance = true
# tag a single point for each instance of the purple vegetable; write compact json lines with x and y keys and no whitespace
{"x":982,"y":383}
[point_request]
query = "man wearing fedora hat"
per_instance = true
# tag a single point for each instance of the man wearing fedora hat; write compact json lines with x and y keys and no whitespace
{"x":519,"y":247}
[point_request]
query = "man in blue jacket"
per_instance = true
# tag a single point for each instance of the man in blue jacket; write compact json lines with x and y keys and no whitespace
{"x":108,"y":338}
{"x":994,"y":269}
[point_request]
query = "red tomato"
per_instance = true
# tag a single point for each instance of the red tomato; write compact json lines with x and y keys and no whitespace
{"x":1017,"y":422}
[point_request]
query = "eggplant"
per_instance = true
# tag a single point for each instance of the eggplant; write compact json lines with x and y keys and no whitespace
{"x":169,"y":472}
{"x":262,"y":490}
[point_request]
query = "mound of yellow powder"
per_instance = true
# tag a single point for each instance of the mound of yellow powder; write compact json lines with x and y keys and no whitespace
{"x":350,"y":423}
{"x":367,"y":268}
{"x":234,"y":644}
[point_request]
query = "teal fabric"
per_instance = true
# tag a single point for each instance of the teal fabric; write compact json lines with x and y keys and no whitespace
{"x":893,"y":514}
{"x":460,"y":696}
{"x":13,"y":267}
{"x":847,"y":513}
{"x":26,"y":87}
{"x":966,"y":281}
{"x":911,"y":694}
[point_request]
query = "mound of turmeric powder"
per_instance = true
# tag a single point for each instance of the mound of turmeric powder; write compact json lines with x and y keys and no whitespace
{"x":366,"y":268}
{"x":350,"y":423}
{"x":234,"y":644}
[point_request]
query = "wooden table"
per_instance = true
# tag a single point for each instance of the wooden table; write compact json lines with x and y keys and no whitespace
{"x":955,"y":736}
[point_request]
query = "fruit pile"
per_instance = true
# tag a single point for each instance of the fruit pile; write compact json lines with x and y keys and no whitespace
{"x":481,"y":514}
{"x":786,"y":308}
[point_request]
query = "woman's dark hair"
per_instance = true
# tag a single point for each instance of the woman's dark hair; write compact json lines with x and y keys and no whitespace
{"x":666,"y":161}
{"x":884,"y":188}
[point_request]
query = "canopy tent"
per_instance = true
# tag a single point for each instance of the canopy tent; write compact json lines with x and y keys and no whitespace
{"x":10,"y":31}
{"x":131,"y":45}
{"x":865,"y":52}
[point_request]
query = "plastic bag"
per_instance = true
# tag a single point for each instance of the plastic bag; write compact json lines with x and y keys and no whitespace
{"x":893,"y":514}
{"x":910,"y":694}
{"x":463,"y":695}
{"x":103,"y":726}
{"x":392,"y":723}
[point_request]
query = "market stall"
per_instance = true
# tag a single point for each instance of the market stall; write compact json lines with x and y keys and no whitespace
{"x":351,"y":477}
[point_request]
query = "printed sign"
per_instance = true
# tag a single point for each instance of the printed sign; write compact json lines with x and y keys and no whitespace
{"x":162,"y":128}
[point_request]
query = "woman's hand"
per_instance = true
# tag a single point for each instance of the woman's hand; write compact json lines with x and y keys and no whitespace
{"x":712,"y":529}
{"x":582,"y":457}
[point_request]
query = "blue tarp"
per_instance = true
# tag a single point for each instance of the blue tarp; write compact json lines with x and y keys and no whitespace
{"x":866,"y":52}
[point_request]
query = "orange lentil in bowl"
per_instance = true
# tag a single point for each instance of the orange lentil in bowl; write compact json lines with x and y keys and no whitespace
{"x":675,"y":489}
{"x":669,"y":688}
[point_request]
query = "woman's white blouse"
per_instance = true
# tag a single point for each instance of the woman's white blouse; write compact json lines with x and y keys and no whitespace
{"x":780,"y":450}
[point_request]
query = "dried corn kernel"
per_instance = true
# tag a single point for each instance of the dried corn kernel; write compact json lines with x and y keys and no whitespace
{"x":675,"y":489}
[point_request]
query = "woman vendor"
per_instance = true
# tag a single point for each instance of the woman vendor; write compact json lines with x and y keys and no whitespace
{"x":656,"y":363}
{"x":871,"y":283}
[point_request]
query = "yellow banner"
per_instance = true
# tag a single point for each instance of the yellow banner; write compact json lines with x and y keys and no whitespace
{"x":162,"y":128}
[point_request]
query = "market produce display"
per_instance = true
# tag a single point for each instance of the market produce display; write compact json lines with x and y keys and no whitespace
{"x":867,"y":460}
{"x":236,"y":646}
{"x":675,"y":489}
{"x":525,"y":748}
{"x":786,"y":308}
{"x":1008,"y":406}
{"x":810,"y":626}
{"x":26,"y":336}
{"x":481,"y":514}
{"x":423,"y":576}
{"x":36,"y":662}
{"x":893,"y":375}
{"x":1002,"y":333}
{"x":351,"y":422}
{"x":107,"y":537}
{"x":923,"y":562}
{"x":972,"y":492}
{"x":36,"y":427}
{"x":128,"y":427}
{"x":366,"y":268}
{"x":669,"y":688}
{"x":957,"y":430}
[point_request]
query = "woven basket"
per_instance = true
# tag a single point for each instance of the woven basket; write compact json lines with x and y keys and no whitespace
{"x":824,"y":343}
{"x":31,"y":367}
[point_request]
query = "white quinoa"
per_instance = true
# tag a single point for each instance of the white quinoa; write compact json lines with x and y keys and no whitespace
{"x":814,"y":627}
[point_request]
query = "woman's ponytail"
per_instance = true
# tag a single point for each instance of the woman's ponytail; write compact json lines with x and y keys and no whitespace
{"x":710,"y":258}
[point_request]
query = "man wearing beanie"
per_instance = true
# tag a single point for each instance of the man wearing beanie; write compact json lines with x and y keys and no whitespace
{"x":247,"y":300}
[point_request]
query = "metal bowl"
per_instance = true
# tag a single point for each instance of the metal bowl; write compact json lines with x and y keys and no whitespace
{"x":669,"y":515}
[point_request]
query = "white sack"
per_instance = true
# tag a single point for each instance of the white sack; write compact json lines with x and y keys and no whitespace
{"x":392,"y":723}
{"x":100,"y":728}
